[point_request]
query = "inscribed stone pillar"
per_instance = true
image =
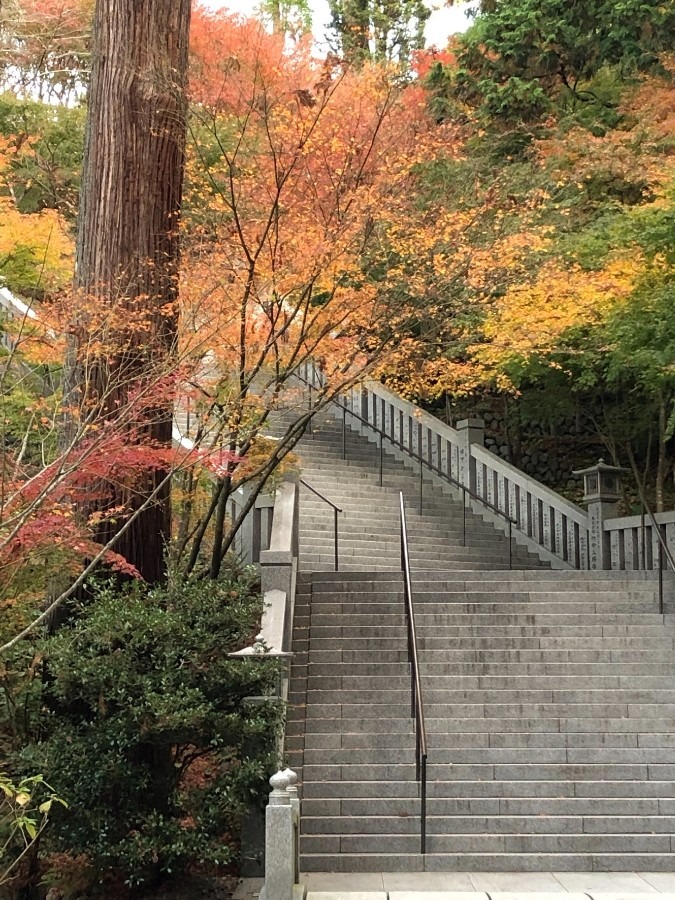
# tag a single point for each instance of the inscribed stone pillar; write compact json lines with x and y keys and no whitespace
{"x":470,"y":431}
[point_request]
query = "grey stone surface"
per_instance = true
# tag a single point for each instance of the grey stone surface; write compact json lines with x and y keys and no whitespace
{"x":421,"y":893}
{"x":605,"y":882}
{"x":661,"y":881}
{"x":344,"y":882}
{"x":346,"y":895}
{"x":516,"y":894}
{"x":429,"y":882}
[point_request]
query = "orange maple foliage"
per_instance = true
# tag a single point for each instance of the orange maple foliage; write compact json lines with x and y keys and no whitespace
{"x":312,"y":176}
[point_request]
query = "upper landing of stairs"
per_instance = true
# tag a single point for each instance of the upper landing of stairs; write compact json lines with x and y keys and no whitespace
{"x":443,"y":535}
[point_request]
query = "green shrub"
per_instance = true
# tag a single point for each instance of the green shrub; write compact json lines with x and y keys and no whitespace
{"x":150,"y":736}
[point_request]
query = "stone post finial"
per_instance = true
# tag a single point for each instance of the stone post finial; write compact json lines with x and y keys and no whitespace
{"x":279,"y":795}
{"x":292,"y":778}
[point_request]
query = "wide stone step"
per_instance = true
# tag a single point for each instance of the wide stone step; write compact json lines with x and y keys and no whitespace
{"x":488,"y":843}
{"x":513,"y":624}
{"x":512,"y":790}
{"x":619,"y":710}
{"x":477,"y":601}
{"x":494,"y":772}
{"x":374,"y":823}
{"x":494,"y":756}
{"x":377,"y":682}
{"x":594,"y":724}
{"x":368,"y":613}
{"x":646,"y":667}
{"x":591,"y":654}
{"x":445,"y":646}
{"x":486,"y":862}
{"x":545,"y":575}
{"x":549,"y":807}
{"x":325,"y":562}
{"x":436,"y":698}
{"x":563,"y":630}
{"x":485,"y":739}
{"x":454,"y":586}
{"x":319,"y":537}
{"x":351,"y":551}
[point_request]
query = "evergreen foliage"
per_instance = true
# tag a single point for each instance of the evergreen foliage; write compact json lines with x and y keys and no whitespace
{"x":148,"y":731}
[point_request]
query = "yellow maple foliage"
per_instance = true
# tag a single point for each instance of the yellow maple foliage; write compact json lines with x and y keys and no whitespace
{"x":36,"y":250}
{"x":529,"y":320}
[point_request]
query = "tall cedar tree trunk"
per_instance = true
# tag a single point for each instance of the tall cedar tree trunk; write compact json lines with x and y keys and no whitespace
{"x":127,"y":248}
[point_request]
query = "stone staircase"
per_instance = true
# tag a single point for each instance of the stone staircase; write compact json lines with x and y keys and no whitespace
{"x":369,"y":524}
{"x":549,"y":696}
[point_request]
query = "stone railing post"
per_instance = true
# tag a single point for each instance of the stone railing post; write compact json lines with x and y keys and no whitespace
{"x":280,"y":841}
{"x":470,"y":431}
{"x":602,"y":492}
{"x":278,"y":563}
{"x":295,"y":806}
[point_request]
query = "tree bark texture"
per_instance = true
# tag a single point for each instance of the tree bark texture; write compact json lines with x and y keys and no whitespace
{"x":127,"y":247}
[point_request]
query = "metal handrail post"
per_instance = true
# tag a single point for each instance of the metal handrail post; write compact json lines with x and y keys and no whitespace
{"x":463,"y":517}
{"x":344,"y":431}
{"x":413,"y":694}
{"x":660,"y":575}
{"x":336,"y":509}
{"x":310,"y":426}
{"x":670,"y":560}
{"x":423,"y":806}
{"x":421,"y":486}
{"x":510,"y":547}
{"x":381,"y":459}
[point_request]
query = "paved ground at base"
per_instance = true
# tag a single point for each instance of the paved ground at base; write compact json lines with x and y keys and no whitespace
{"x":478,"y":886}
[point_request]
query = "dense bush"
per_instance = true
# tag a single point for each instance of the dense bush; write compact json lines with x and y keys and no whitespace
{"x":148,"y":731}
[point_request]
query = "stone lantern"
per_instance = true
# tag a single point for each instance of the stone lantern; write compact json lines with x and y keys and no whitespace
{"x":602,"y":492}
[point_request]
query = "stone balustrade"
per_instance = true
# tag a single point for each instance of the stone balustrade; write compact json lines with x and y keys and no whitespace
{"x":634,"y":543}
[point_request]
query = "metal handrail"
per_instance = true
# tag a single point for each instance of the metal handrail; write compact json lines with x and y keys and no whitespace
{"x":336,"y":510}
{"x":416,"y":703}
{"x":410,"y":452}
{"x":422,"y":462}
{"x":663,"y":546}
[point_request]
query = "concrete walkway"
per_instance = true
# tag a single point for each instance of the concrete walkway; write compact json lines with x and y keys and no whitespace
{"x":478,"y":886}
